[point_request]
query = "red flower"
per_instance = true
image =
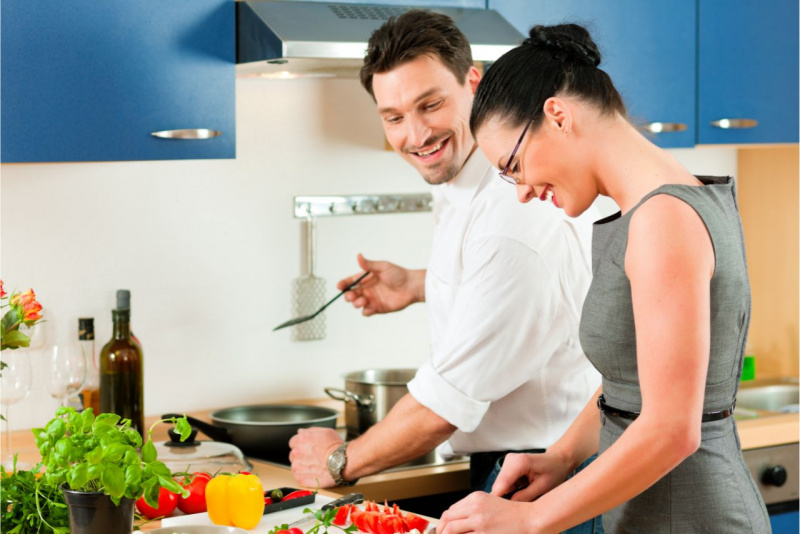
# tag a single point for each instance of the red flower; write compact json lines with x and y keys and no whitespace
{"x":30,"y":313}
{"x":27,"y":306}
{"x":2,"y":291}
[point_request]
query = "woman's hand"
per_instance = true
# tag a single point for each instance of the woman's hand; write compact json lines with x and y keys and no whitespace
{"x":388,"y":288}
{"x":536,"y":474}
{"x":482,"y":513}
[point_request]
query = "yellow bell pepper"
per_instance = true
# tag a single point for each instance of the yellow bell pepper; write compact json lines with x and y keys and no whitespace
{"x":217,"y":500}
{"x":236,"y":500}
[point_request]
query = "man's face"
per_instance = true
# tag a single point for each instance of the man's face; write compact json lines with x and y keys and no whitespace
{"x":425,"y":114}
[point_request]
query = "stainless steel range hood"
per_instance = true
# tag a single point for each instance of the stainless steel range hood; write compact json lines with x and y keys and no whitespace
{"x":289,"y":39}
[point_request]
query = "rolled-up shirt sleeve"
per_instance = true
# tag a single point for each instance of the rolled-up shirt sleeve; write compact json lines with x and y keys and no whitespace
{"x":507,"y":320}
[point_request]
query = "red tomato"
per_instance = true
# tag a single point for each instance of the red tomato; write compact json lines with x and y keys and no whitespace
{"x":167,"y":501}
{"x":341,"y":515}
{"x":195,"y":503}
{"x":417,"y":522}
{"x":267,"y":500}
{"x":293,"y":530}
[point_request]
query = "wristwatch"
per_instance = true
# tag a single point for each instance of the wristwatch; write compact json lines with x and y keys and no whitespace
{"x":336,"y":462}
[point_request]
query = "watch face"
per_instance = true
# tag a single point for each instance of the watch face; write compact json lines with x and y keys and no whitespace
{"x":336,"y":461}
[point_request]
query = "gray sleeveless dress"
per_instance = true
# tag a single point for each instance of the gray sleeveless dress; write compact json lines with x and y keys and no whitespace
{"x":712,"y":490}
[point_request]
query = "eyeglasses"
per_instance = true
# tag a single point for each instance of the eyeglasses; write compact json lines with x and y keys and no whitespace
{"x":504,"y":175}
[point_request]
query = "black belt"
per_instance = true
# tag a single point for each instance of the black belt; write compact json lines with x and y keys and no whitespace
{"x":708,"y":416}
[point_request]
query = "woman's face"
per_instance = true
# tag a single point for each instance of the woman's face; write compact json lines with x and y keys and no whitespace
{"x":547,"y":165}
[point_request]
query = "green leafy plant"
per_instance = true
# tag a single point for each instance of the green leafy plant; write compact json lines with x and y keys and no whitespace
{"x":24,"y":503}
{"x":82,"y":452}
{"x":88,"y":453}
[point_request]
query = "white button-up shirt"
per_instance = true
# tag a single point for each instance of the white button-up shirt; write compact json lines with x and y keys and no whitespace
{"x":504,"y":287}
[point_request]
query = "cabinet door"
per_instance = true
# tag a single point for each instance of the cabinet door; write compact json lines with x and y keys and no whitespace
{"x":479,"y":4}
{"x":748,"y":70}
{"x":648,"y":49}
{"x":785,"y":523}
{"x":84,"y":80}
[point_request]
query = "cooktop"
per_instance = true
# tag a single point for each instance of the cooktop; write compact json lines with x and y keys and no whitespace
{"x":432,"y":459}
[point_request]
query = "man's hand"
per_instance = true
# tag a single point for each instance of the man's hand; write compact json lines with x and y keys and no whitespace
{"x":309,"y":456}
{"x":536,"y":473}
{"x":388,"y":288}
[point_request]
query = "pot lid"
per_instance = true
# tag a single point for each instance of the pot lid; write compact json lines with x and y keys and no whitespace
{"x":208,"y":456}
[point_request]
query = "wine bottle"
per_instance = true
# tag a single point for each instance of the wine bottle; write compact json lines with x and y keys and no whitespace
{"x":124,"y":303}
{"x":90,"y":394}
{"x":121,"y":372}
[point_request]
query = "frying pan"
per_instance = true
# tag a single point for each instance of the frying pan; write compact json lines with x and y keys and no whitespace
{"x":263,"y":430}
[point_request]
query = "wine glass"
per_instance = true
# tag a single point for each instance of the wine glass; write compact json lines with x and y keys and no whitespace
{"x":64,"y":370}
{"x":15,"y":384}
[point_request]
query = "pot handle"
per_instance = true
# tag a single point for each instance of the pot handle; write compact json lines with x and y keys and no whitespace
{"x":362,"y":401}
{"x":217,"y":433}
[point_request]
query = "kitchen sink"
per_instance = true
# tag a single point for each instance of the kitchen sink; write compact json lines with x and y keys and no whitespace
{"x":758,"y":398}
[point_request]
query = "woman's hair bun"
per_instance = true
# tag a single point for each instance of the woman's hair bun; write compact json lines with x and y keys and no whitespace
{"x":566,"y":42}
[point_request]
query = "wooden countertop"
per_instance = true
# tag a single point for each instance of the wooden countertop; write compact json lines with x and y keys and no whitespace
{"x":417,"y":482}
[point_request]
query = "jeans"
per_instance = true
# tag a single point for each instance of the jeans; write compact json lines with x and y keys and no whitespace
{"x":592,"y":526}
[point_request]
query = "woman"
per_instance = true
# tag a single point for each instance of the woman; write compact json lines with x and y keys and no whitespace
{"x":665,"y":320}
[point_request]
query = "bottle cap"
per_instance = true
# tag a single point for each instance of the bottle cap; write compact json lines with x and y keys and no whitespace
{"x":85,"y":328}
{"x":123,"y":299}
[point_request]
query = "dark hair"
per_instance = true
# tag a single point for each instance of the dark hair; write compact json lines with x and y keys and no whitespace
{"x":552,"y":60}
{"x":416,"y":33}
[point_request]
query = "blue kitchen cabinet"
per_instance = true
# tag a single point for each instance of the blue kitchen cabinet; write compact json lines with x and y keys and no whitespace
{"x":84,"y":80}
{"x":479,"y":4}
{"x":748,"y":71}
{"x":648,"y":49}
{"x":785,"y":523}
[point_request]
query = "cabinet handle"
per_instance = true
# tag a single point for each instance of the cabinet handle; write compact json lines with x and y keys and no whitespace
{"x":190,"y":133}
{"x":728,"y":124}
{"x":664,"y":127}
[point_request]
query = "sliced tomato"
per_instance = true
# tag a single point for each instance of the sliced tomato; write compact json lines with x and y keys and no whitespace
{"x":393,"y":524}
{"x":341,"y":515}
{"x":357,"y":517}
{"x":417,"y":522}
{"x":355,"y":511}
{"x":368,"y":522}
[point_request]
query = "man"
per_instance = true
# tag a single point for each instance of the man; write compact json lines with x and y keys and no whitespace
{"x":504,"y":286}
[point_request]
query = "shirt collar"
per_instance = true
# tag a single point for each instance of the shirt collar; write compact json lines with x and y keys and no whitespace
{"x":472,"y":177}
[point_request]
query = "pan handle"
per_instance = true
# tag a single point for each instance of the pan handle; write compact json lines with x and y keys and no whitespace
{"x":362,"y":401}
{"x":217,"y":433}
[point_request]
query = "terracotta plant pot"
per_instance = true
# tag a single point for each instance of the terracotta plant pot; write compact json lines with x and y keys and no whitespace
{"x":94,"y":513}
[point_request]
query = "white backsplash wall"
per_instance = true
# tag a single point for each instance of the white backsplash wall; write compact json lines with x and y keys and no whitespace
{"x":209,"y":249}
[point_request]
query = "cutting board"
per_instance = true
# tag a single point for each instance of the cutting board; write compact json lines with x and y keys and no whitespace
{"x":268,"y":522}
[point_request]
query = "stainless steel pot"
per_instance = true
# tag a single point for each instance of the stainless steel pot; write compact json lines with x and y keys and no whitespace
{"x":369,"y":395}
{"x":263,"y":430}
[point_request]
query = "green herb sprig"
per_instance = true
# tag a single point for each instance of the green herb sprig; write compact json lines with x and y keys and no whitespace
{"x":324,"y":520}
